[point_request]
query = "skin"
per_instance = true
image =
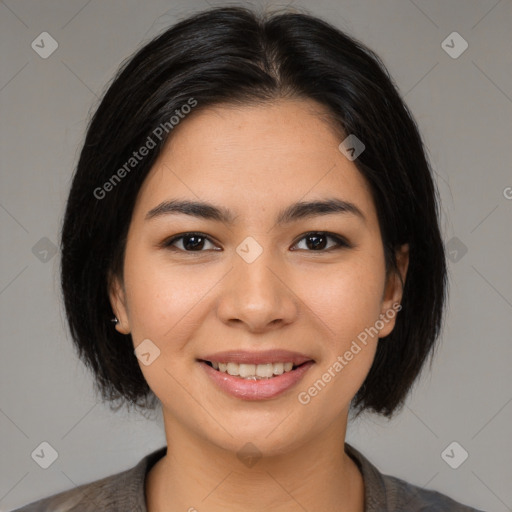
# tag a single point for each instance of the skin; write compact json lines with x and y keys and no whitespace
{"x":255,"y":160}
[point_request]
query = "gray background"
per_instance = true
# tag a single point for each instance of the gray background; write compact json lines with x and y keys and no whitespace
{"x":464,"y":109}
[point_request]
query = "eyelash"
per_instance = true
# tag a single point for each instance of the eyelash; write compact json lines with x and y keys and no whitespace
{"x":340,"y":241}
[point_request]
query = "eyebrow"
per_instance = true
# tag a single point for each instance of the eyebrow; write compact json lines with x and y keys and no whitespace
{"x":294,"y":212}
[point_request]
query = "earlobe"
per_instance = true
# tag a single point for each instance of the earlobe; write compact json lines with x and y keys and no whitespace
{"x":117,"y":296}
{"x":393,"y":292}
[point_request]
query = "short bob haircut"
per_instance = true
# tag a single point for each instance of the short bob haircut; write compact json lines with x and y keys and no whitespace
{"x":235,"y":56}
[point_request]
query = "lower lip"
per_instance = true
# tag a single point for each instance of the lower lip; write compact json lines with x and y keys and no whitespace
{"x":262,"y":389}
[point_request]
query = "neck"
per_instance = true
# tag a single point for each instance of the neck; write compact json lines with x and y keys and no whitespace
{"x":197,"y":475}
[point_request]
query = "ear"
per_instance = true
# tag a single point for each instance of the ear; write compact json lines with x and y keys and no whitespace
{"x":393,"y":291}
{"x":117,"y":296}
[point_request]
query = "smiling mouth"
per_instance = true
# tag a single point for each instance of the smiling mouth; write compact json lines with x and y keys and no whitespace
{"x":254,"y":371}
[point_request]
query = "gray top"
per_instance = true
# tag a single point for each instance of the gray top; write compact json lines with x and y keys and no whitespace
{"x":124,"y":492}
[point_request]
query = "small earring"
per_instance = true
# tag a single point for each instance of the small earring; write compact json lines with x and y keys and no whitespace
{"x":115,"y":320}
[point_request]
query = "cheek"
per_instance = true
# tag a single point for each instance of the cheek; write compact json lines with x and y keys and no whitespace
{"x":346,"y":298}
{"x":347,"y":301}
{"x":166,"y":305}
{"x":163,"y":300}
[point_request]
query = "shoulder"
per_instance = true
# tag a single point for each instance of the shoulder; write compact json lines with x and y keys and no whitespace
{"x":120,"y":492}
{"x":406,"y":496}
{"x":386,"y":493}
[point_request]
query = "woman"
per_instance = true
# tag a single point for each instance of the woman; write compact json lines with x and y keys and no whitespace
{"x":254,"y":211}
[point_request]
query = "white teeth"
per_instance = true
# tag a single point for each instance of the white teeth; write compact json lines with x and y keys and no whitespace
{"x":278,"y":368}
{"x":232,"y":369}
{"x":265,"y":370}
{"x":253,"y":371}
{"x":246,"y":370}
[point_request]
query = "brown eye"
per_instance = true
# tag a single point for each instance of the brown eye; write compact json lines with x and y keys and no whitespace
{"x":318,"y":241}
{"x":190,"y":242}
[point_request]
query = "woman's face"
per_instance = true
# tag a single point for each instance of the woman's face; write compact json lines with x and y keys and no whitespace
{"x":263,"y":282}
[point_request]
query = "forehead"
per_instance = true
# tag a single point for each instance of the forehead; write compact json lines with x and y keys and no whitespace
{"x":255,"y":157}
{"x":226,"y":135}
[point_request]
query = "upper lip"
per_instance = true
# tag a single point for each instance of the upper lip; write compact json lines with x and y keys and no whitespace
{"x":259,"y":357}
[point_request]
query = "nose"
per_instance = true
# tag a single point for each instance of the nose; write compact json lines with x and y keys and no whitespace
{"x":258,"y":296}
